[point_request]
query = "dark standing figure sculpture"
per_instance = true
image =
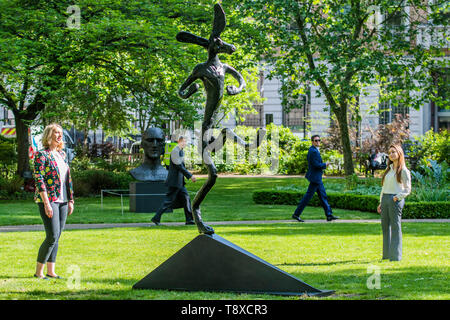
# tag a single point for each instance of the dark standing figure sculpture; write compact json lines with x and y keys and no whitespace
{"x":212,"y":73}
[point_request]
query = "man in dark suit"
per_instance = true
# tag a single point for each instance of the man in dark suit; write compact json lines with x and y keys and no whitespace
{"x":314,"y":176}
{"x":177,"y":196}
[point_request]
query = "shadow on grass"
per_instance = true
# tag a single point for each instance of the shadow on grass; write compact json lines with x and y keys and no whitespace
{"x":334,"y":229}
{"x":328,"y":263}
{"x":399,"y":283}
{"x":320,"y":229}
{"x":395,"y":283}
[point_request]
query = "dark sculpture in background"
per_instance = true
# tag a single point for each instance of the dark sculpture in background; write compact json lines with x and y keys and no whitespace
{"x":212,"y":73}
{"x":153,"y":143}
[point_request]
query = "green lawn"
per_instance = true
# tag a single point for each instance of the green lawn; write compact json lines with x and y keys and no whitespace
{"x":326,"y":256}
{"x":230,"y":199}
{"x":331,"y":256}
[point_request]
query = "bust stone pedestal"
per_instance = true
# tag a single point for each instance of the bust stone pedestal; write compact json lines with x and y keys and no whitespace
{"x":147,"y":196}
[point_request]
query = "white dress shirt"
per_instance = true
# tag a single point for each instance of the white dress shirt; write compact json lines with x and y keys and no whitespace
{"x":391,"y":186}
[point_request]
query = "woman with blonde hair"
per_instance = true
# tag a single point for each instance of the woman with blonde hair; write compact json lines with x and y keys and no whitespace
{"x":54,"y":196}
{"x":396,"y":184}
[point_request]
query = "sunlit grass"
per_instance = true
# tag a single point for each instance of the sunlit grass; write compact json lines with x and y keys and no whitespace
{"x":326,"y":256}
{"x":230,"y":199}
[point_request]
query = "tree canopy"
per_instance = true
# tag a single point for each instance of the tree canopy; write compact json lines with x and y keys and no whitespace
{"x":343,"y":47}
{"x":94,"y":63}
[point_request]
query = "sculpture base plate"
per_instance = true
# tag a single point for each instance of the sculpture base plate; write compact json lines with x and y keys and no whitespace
{"x":211,"y":263}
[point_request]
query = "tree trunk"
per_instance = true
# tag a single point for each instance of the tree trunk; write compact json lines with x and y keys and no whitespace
{"x":23,"y":144}
{"x":345,"y":139}
{"x":85,"y":142}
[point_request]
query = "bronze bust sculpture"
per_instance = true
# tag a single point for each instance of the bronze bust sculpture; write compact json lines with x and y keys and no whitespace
{"x":153,"y":143}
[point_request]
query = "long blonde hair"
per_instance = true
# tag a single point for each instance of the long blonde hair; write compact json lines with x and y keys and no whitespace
{"x":47,"y":136}
{"x":400,"y":163}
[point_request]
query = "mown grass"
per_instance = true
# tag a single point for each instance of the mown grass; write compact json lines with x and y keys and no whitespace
{"x":230,"y":199}
{"x":326,"y":256}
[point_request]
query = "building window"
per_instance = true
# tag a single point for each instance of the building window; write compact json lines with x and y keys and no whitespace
{"x":395,"y":22}
{"x":443,"y":15}
{"x":254,"y":120}
{"x":294,"y":118}
{"x":394,"y":18}
{"x":442,"y":116}
{"x":442,"y":80}
{"x":269,"y":118}
{"x":295,"y":112}
{"x":388,"y":111}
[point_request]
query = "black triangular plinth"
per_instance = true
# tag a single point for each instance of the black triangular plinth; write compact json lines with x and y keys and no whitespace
{"x":211,"y":263}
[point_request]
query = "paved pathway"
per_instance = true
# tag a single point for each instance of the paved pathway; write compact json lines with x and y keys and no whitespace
{"x":40,"y":227}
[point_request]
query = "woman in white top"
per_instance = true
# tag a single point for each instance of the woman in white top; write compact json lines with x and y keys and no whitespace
{"x":396,"y":186}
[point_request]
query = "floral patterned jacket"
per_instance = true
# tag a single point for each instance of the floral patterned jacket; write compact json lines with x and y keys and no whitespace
{"x":46,"y":176}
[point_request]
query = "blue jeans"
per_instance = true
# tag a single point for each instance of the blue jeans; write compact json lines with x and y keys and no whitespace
{"x":313,"y":188}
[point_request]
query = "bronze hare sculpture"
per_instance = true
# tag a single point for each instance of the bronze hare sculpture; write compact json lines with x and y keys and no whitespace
{"x":212,"y":73}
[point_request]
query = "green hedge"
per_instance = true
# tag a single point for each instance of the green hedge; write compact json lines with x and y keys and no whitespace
{"x":89,"y":182}
{"x":427,"y":210}
{"x":368,"y":203}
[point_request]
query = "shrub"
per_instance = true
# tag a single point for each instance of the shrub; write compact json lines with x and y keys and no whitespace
{"x":8,"y":157}
{"x":81,"y":188}
{"x":368,"y":203}
{"x":431,"y":181}
{"x":117,"y":165}
{"x":431,"y":145}
{"x":351,"y":184}
{"x":395,"y":132}
{"x":336,"y":162}
{"x":101,"y":150}
{"x":93,"y":181}
{"x":241,"y":162}
{"x":81,"y":163}
{"x":294,"y":161}
{"x":15,"y":184}
{"x":13,"y":189}
{"x":337,"y":200}
{"x":427,"y":210}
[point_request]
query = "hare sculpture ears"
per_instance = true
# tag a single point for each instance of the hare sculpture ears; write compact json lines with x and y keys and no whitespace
{"x":218,"y":26}
{"x":219,"y":21}
{"x":188,"y":37}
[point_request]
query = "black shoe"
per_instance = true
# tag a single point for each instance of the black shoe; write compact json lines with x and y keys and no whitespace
{"x":331,"y":217}
{"x":49,"y":276}
{"x":40,"y":278}
{"x":297,"y":218}
{"x":155,"y":221}
{"x":190,"y":222}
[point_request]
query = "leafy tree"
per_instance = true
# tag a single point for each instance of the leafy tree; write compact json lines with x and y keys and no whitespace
{"x":153,"y":95}
{"x":80,"y":63}
{"x":41,"y":48}
{"x":346,"y":46}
